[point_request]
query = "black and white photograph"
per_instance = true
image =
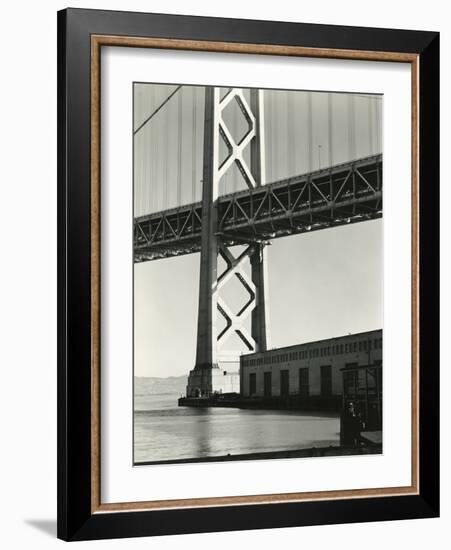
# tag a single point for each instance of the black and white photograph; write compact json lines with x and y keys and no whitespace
{"x":258,"y":273}
{"x":224,"y":281}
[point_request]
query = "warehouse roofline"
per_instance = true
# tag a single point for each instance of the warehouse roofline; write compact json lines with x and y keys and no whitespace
{"x":312,"y":342}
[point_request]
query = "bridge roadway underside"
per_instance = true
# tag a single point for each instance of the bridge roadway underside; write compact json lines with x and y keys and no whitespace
{"x":342,"y":194}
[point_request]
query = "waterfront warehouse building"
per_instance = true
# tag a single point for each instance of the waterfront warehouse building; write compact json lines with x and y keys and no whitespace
{"x":312,"y":372}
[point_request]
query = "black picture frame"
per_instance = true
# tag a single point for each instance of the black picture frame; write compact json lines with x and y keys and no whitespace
{"x":76,"y":520}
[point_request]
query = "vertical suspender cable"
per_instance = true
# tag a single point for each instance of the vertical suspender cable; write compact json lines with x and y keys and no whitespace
{"x":351,"y":127}
{"x":138,"y":172}
{"x":194,"y":146}
{"x":369,"y":105}
{"x":269,"y":138}
{"x":150,"y":189}
{"x":309,"y":131}
{"x":144,"y":143}
{"x":138,"y":168}
{"x":166,"y":157}
{"x":378,"y":116}
{"x":277,"y":134}
{"x":154,"y":172}
{"x":179,"y":147}
{"x":156,"y":161}
{"x":297,"y":129}
{"x":290,"y":133}
{"x":330,"y":128}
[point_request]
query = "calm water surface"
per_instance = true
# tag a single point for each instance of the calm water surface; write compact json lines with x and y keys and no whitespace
{"x":164,"y":431}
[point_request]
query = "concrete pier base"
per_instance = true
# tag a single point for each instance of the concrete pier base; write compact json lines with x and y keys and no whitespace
{"x":205,"y":382}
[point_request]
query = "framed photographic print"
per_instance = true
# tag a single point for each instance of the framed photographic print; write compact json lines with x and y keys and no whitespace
{"x":248,"y":274}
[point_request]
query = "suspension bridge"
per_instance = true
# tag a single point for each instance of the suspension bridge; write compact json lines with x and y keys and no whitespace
{"x":202,"y":157}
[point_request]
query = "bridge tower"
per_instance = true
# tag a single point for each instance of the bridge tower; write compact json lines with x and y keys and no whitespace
{"x":207,"y":377}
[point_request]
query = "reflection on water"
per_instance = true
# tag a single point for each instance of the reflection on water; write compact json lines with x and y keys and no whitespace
{"x":164,"y":431}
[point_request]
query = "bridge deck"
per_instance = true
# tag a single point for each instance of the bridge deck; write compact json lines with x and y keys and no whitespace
{"x":346,"y":193}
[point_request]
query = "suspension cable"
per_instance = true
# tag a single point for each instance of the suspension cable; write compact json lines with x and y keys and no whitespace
{"x":154,"y":198}
{"x":153,"y":159}
{"x":156,"y":110}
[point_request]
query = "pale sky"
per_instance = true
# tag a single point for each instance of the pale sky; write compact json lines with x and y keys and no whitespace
{"x":321,"y":284}
{"x":295,"y":141}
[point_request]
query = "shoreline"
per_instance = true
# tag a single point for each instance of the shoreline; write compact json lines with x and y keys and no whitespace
{"x":331,"y":404}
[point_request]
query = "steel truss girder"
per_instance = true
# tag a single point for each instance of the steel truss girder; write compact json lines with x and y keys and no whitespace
{"x":346,"y":193}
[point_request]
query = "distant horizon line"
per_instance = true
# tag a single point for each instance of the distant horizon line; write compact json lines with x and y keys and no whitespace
{"x":160,"y":377}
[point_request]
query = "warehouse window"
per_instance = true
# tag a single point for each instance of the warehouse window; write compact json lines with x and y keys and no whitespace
{"x":252,"y":383}
{"x":284,"y":383}
{"x":267,"y":382}
{"x":351,"y":379}
{"x":304,"y":385}
{"x":326,"y":380}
